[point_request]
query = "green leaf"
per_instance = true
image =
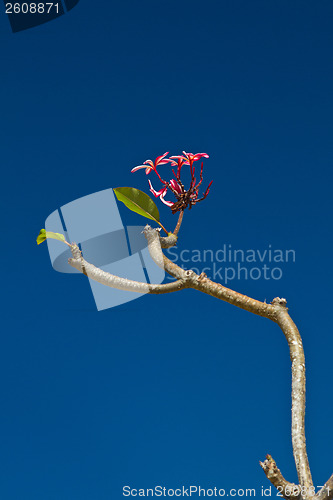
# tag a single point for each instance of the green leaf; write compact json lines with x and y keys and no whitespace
{"x":43,"y":235}
{"x":138,"y":202}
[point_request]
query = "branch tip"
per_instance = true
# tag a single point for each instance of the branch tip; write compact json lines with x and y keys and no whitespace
{"x":289,"y":491}
{"x":279,"y":302}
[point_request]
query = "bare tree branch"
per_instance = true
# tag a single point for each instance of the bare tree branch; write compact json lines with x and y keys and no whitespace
{"x":113,"y":281}
{"x":326,"y":493}
{"x":154,"y":247}
{"x":237,"y":299}
{"x":276,"y":311}
{"x":298,"y":391}
{"x":167,"y":241}
{"x":289,"y":491}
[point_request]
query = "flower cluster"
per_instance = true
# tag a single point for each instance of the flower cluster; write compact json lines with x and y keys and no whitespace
{"x":185,"y":198}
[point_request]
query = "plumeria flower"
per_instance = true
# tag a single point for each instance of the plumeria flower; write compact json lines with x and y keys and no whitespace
{"x":189,"y":158}
{"x":160,"y":194}
{"x":174,"y":184}
{"x":179,"y":163}
{"x":185,"y":197}
{"x":167,"y":203}
{"x":149,"y":165}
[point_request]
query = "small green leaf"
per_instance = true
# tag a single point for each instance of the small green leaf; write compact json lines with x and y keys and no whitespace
{"x":43,"y":235}
{"x":138,"y":202}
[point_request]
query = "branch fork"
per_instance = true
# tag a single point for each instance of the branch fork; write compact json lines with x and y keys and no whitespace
{"x":277,"y":311}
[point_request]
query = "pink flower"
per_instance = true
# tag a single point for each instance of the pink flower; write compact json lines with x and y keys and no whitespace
{"x":189,"y":158}
{"x":195,"y":157}
{"x":161,"y":193}
{"x":160,"y":160}
{"x":184,"y":198}
{"x":174,"y":184}
{"x":167,"y":203}
{"x":179,"y":163}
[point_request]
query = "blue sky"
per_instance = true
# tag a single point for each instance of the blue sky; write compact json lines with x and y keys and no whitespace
{"x":179,"y":389}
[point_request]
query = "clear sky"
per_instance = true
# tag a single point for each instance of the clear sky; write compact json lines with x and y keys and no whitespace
{"x":178,"y":389}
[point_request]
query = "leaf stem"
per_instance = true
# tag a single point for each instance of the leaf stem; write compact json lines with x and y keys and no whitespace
{"x":167,"y":232}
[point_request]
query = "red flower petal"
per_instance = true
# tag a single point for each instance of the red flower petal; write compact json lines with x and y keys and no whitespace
{"x":159,"y":159}
{"x":138,"y":168}
{"x":161,"y":192}
{"x":176,"y":186}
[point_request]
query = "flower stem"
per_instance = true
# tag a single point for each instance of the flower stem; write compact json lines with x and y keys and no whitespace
{"x":179,"y":222}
